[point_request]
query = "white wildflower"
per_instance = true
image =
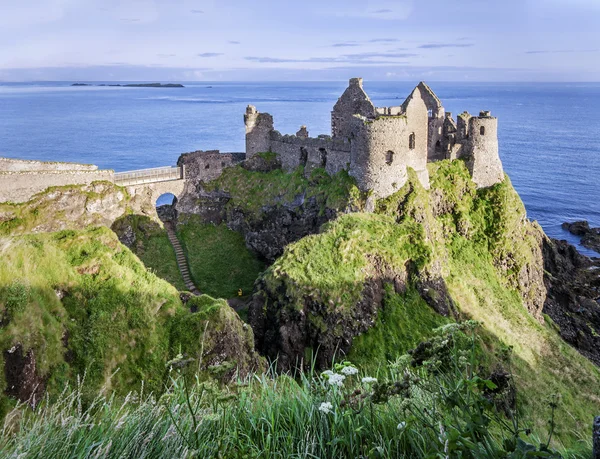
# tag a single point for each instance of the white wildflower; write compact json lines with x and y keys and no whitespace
{"x":326,"y":407}
{"x":349,"y":371}
{"x":369,"y":380}
{"x":327,"y":373}
{"x":336,"y":379}
{"x":402,"y":425}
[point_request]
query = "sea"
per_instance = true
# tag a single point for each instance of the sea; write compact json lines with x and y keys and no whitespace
{"x":549,"y":133}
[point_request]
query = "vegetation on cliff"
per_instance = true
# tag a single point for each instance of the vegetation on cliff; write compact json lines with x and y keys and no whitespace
{"x":220,"y":263}
{"x":81,"y":305}
{"x":473,"y":250}
{"x":433,"y":404}
{"x":251,"y":191}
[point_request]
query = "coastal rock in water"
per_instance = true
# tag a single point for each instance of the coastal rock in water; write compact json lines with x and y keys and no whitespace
{"x":591,"y":236}
{"x":579,"y":228}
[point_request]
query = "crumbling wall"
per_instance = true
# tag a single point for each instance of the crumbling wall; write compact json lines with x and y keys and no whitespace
{"x":22,"y":186}
{"x":354,"y":101}
{"x":207,"y":165}
{"x":258,"y":131}
{"x":23,"y":165}
{"x":331,"y":154}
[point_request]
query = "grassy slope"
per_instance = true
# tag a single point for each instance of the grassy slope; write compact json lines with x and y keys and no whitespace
{"x":116,"y":323}
{"x":482,"y":242}
{"x":219,"y":261}
{"x":153,"y":247}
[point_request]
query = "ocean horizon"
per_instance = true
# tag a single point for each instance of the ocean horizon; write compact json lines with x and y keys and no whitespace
{"x":548,"y":132}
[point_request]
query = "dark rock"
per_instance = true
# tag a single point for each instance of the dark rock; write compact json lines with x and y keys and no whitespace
{"x":167,"y":213}
{"x":591,"y":236}
{"x":573,"y":285}
{"x":20,"y":372}
{"x":577,"y":228}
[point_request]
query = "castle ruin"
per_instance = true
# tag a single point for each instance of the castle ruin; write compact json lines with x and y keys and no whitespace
{"x":376,"y":145}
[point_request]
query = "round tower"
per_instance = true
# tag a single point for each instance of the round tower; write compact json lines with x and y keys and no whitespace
{"x":482,"y":155}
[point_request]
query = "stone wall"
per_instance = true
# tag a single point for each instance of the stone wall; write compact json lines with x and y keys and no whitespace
{"x":258,"y":131}
{"x":22,"y":165}
{"x":22,"y":186}
{"x":383,"y":148}
{"x":207,"y":165}
{"x":354,"y":101}
{"x":294,"y":151}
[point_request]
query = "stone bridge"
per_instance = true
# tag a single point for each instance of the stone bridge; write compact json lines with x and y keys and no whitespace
{"x":146,"y":185}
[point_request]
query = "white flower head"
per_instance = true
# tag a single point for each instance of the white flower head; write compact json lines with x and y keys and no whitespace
{"x":349,"y":371}
{"x":326,"y":407}
{"x":336,"y":379}
{"x":369,"y":380}
{"x":327,"y":373}
{"x":402,"y":425}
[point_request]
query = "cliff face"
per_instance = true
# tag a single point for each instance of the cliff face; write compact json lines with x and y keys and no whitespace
{"x":328,"y":288}
{"x":269,"y":207}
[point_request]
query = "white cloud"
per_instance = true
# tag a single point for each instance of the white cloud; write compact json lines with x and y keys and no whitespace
{"x":383,"y":9}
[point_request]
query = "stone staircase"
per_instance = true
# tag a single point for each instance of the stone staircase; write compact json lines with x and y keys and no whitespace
{"x":181,"y":260}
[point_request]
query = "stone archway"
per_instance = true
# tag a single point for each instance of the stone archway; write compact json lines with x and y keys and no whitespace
{"x":145,"y":196}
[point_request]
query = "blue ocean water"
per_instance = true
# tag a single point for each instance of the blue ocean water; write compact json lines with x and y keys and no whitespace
{"x":549,"y":133}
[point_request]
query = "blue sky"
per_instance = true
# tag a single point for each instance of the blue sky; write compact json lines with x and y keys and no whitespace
{"x":185,"y":40}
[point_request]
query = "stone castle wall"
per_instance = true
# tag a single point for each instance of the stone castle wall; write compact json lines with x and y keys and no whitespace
{"x":22,"y":165}
{"x":22,"y":186}
{"x":207,"y":165}
{"x":294,"y":151}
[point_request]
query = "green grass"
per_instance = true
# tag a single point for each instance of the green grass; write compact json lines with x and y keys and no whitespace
{"x":403,"y":322}
{"x":431,"y":410}
{"x":252,"y":191}
{"x":331,"y":267}
{"x":42,"y":211}
{"x":88,"y":308}
{"x":481,"y":244}
{"x":153,"y":247}
{"x":220,"y":263}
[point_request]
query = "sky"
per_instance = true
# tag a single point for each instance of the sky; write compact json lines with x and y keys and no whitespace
{"x":274,"y":40}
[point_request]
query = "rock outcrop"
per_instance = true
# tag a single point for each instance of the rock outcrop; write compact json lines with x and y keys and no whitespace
{"x":573,"y":302}
{"x":590,"y":237}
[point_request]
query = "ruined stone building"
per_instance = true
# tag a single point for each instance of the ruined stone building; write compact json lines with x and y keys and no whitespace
{"x":377,"y":145}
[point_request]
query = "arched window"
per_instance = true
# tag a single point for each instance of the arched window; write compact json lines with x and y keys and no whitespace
{"x":482,"y":130}
{"x":389,"y":157}
{"x":323,"y":156}
{"x":430,"y":113}
{"x":303,"y":156}
{"x":411,"y":141}
{"x":438,"y":146}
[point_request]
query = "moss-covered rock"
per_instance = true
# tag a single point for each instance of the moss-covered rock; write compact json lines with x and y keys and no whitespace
{"x":216,"y":339}
{"x":65,"y":207}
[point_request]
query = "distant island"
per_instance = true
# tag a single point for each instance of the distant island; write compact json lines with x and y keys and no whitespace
{"x":136,"y":85}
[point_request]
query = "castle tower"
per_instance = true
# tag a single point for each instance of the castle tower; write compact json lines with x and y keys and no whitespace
{"x":258,"y":131}
{"x":354,"y":101}
{"x":481,"y":150}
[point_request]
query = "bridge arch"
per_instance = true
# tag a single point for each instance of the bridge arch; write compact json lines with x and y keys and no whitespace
{"x":144,"y":197}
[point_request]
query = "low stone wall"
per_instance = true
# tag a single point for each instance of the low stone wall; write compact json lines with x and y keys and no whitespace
{"x":25,"y":165}
{"x":22,"y":186}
